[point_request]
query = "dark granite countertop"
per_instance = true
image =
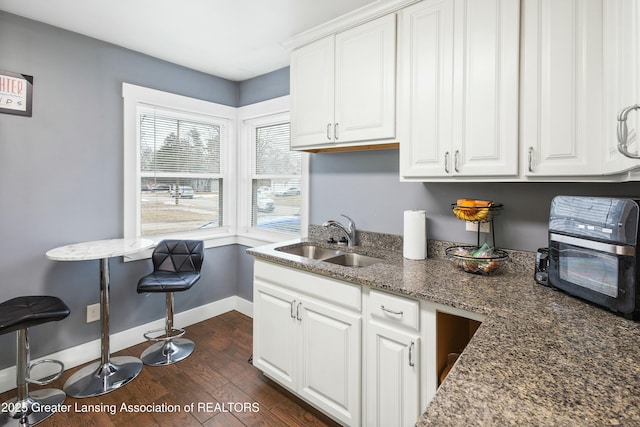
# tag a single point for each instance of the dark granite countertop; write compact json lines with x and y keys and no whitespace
{"x":540,"y":358}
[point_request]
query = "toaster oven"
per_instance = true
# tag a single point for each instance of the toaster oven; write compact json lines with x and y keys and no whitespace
{"x":593,"y":251}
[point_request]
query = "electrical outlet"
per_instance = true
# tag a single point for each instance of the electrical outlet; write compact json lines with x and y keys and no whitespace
{"x":485,"y":227}
{"x":93,"y":313}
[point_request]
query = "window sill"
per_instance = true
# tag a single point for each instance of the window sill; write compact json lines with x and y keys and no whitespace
{"x":216,"y":240}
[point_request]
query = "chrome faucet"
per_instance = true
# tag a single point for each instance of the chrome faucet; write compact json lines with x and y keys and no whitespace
{"x":349,"y":231}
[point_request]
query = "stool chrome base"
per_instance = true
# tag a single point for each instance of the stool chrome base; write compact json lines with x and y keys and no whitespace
{"x":167,"y":352}
{"x":32,"y":408}
{"x":98,"y":378}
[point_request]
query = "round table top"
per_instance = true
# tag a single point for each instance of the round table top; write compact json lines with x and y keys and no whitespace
{"x":99,"y":249}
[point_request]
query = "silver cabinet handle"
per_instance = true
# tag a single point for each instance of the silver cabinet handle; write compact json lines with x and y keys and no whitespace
{"x":397,"y":313}
{"x":293,"y":316}
{"x":455,"y":161}
{"x":411,"y":354}
{"x":328,"y":130}
{"x":446,"y":162}
{"x":335,"y":131}
{"x":530,"y":159}
{"x":623,"y":132}
{"x":298,"y":312}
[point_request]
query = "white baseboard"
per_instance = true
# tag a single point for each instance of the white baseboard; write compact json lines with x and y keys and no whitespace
{"x":83,"y":353}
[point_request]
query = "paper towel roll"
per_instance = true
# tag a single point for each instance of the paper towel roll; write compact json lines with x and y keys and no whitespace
{"x":415,"y":234}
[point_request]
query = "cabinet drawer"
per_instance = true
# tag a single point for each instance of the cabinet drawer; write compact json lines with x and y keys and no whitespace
{"x":394,"y":309}
{"x":347,"y":295}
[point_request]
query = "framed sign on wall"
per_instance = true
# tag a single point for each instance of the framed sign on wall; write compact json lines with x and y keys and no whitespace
{"x":16,"y":93}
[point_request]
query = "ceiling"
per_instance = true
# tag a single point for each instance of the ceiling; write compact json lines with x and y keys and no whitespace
{"x":233,"y":39}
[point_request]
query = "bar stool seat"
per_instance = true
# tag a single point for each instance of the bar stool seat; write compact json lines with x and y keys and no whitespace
{"x":168,"y":281}
{"x":19,"y":314}
{"x":25,"y":312}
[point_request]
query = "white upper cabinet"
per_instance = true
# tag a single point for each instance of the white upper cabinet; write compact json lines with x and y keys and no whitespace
{"x":425,"y":99}
{"x":486,"y":87}
{"x":343,"y":87}
{"x":458,"y":83}
{"x":621,"y":79}
{"x":312,"y":94}
{"x":562,"y":99}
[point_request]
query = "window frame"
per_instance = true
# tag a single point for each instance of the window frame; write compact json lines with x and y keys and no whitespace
{"x":137,"y":96}
{"x":250,"y":118}
{"x":239,"y":160}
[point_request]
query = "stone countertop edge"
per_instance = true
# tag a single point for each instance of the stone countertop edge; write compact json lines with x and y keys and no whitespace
{"x":540,"y":358}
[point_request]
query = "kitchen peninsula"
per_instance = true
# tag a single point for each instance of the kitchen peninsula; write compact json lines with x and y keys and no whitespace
{"x":540,"y":357}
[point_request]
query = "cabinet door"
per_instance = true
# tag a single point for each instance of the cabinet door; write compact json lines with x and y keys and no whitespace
{"x":621,"y":45}
{"x":486,"y":83}
{"x":561,"y":108}
{"x":330,"y":360}
{"x":274,"y":333}
{"x":393,"y":374}
{"x":425,"y":66}
{"x":312,"y":94}
{"x":365,"y":81}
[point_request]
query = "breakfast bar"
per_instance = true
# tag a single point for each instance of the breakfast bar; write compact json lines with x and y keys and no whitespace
{"x":109,"y":373}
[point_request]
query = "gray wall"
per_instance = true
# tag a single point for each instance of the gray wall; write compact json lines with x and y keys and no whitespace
{"x":61,"y":179}
{"x":266,"y":86}
{"x":366,"y":187}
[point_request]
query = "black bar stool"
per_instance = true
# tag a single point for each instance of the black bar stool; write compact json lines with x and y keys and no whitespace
{"x":19,"y":314}
{"x":176,"y":267}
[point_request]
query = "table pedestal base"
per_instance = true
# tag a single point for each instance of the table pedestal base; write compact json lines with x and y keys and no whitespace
{"x":98,"y":378}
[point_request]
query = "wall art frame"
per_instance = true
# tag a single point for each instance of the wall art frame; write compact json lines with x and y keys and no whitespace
{"x":16,"y":93}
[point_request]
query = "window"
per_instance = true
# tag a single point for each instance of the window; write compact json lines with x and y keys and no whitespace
{"x":183,"y":179}
{"x":274,"y":195}
{"x":177,"y":157}
{"x":181,"y":171}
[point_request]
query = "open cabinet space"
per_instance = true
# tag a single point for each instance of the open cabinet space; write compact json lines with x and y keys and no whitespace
{"x":453,"y":333}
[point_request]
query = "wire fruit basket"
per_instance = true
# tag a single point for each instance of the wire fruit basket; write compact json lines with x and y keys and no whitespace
{"x":486,"y":260}
{"x":478,"y":259}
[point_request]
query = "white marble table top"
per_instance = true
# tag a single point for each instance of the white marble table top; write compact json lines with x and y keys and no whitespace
{"x":99,"y":249}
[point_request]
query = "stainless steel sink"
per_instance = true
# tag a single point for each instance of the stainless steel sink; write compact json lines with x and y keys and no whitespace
{"x":353,"y":260}
{"x":311,"y":251}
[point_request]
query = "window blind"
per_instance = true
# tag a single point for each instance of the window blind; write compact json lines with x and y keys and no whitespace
{"x":181,"y":171}
{"x":276,"y":183}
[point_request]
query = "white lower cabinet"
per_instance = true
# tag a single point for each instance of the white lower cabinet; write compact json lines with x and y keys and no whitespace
{"x":393,"y":361}
{"x":393,"y":367}
{"x":274,"y":333}
{"x":309,"y":336}
{"x":330,"y":359}
{"x":308,"y":343}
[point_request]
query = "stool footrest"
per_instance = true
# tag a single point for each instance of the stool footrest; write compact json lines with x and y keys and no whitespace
{"x":174,"y":333}
{"x":49,"y":378}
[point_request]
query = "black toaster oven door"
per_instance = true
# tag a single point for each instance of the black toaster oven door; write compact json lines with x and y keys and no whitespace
{"x":602,"y":273}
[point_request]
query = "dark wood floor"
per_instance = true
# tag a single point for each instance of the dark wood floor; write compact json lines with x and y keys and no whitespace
{"x":217,"y":376}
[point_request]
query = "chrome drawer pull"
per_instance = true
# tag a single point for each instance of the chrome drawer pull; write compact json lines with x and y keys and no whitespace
{"x":623,"y":132}
{"x":397,"y":313}
{"x":455,"y":161}
{"x":293,"y":316}
{"x":411,"y":354}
